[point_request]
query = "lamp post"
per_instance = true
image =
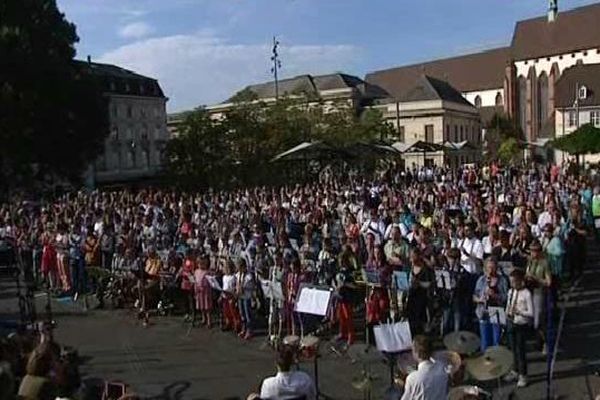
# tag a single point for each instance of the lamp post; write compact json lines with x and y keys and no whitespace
{"x":276,"y":66}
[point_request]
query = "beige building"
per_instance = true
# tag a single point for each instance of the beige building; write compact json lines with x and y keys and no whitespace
{"x":577,"y":103}
{"x":431,"y":111}
{"x":137,"y":123}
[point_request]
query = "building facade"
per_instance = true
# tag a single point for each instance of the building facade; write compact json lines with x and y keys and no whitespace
{"x":518,"y":80}
{"x":137,"y":119}
{"x":432,"y":111}
{"x":577,"y":102}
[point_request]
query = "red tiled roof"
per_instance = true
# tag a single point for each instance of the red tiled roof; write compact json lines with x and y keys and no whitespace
{"x":467,"y":73}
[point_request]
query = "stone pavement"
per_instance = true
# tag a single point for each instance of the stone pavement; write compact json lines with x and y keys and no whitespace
{"x":169,"y":361}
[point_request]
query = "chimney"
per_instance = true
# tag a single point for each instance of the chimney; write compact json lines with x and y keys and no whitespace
{"x":552,"y":10}
{"x":89,"y":59}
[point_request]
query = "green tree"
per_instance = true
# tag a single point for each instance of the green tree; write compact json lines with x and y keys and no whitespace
{"x":585,"y":140}
{"x":52,"y":118}
{"x":509,"y":150}
{"x":199,"y":154}
{"x":499,"y":130}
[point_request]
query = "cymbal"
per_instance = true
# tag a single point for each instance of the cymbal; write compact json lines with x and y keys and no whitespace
{"x":464,"y":393}
{"x":309,"y":341}
{"x":493,"y":364}
{"x":462,"y":342}
{"x":406,"y":361}
{"x":449,"y":358}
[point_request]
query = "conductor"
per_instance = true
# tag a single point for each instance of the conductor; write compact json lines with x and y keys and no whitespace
{"x":430,"y":380}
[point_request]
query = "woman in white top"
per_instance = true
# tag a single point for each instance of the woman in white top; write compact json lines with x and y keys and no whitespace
{"x":519,"y":313}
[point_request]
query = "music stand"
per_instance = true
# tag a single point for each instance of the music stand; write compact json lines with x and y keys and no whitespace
{"x":389,"y":345}
{"x":313,"y":300}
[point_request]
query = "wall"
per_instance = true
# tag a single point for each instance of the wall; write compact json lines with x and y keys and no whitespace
{"x":488,"y":97}
{"x":139,"y":120}
{"x":564,"y":61}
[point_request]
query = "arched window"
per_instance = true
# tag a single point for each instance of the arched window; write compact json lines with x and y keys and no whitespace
{"x":542,"y":106}
{"x":499,"y":100}
{"x":478,"y":101}
{"x":523,"y":102}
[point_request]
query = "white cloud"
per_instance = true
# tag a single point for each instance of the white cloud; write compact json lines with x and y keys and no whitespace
{"x":202,"y":68}
{"x":135,"y":30}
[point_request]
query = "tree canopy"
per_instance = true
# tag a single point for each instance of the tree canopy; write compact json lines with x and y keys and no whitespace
{"x":500,"y":130}
{"x":238,"y":147}
{"x":52,"y":119}
{"x":585,"y":140}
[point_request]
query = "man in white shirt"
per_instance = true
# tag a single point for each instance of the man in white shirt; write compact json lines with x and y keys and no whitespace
{"x":287,"y":385}
{"x":430,"y":380}
{"x":471,"y":250}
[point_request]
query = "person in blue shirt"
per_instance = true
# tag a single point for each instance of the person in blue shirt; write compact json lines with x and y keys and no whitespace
{"x":491,"y":290}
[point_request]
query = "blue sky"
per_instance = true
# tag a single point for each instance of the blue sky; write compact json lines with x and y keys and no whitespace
{"x":202,"y":51}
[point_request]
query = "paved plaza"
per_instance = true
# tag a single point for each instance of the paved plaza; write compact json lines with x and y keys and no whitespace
{"x":170,"y":361}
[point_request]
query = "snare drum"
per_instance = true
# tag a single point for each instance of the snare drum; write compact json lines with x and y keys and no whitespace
{"x":291,"y":341}
{"x":309,"y":346}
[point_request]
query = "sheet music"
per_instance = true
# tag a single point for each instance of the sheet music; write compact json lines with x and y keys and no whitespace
{"x":213,"y":282}
{"x":313,"y":301}
{"x":442,"y":279}
{"x":401,"y":279}
{"x":393,"y":338}
{"x":497,"y":315}
{"x":272,"y":289}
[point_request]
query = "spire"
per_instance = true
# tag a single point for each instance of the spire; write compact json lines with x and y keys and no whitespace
{"x":552,"y":10}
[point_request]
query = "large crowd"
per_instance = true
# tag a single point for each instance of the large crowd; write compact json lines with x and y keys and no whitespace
{"x":467,"y":240}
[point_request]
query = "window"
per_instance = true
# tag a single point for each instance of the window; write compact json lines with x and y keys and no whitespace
{"x":447,"y":136}
{"x":461,"y":138}
{"x":114,"y":110}
{"x":400,"y":133}
{"x":114,"y":133}
{"x":455,"y":133}
{"x":499,"y":99}
{"x":141,"y":88}
{"x":429,"y":133}
{"x":113,"y":86}
{"x":129,"y":111}
{"x":572,"y":118}
{"x":582,"y":93}
{"x":127,"y":87}
{"x":478,"y":101}
{"x":595,"y":118}
{"x":142,"y":112}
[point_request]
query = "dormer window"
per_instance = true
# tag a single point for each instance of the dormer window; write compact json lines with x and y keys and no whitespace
{"x":583,"y":93}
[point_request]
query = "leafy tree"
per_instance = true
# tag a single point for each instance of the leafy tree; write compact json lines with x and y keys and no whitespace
{"x":200,"y":153}
{"x":509,"y":150}
{"x":499,"y":130}
{"x":52,"y":118}
{"x":585,"y":140}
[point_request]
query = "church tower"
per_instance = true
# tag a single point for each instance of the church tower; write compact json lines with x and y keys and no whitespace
{"x":552,"y":10}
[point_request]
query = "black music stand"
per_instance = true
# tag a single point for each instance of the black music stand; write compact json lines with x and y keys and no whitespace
{"x":320,"y":306}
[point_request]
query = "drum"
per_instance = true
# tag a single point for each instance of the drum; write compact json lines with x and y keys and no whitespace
{"x":309,"y":346}
{"x":291,"y":341}
{"x":453,"y":364}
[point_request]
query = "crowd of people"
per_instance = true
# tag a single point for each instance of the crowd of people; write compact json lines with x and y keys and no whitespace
{"x":469,"y":241}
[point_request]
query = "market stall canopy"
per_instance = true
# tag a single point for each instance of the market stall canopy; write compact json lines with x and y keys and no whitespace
{"x":400,"y":146}
{"x":464,"y":145}
{"x":424,"y":147}
{"x":316,"y":150}
{"x":373,"y":149}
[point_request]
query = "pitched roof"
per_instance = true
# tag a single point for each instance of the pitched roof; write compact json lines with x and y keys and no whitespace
{"x":576,"y":29}
{"x":297,"y":84}
{"x":428,"y":88}
{"x":117,"y":80}
{"x":310,"y":84}
{"x":587,"y":75}
{"x":466,"y":73}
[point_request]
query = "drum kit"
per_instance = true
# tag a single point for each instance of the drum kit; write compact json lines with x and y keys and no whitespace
{"x":461,"y":361}
{"x":306,"y":349}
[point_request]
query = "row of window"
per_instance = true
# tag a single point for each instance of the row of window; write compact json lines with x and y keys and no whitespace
{"x":594,"y":118}
{"x":461,"y":133}
{"x":499,"y":100}
{"x":129,"y":159}
{"x":128,"y":134}
{"x":129,"y":111}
